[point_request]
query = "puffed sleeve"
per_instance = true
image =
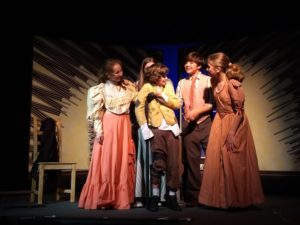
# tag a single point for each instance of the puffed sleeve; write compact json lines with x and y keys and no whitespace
{"x":132,"y":88}
{"x":237,"y":95}
{"x":95,"y":107}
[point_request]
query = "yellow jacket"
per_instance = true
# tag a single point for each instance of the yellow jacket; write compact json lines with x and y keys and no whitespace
{"x":156,"y":110}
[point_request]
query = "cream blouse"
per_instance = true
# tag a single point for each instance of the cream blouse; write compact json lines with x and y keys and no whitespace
{"x":109,"y":97}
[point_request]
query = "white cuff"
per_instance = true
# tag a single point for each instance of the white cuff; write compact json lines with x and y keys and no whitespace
{"x":147,"y":133}
{"x":165,"y":96}
{"x":176,"y":130}
{"x":98,"y":135}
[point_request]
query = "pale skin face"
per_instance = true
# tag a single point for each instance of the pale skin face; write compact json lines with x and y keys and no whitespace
{"x":162,"y":81}
{"x":211,"y":70}
{"x":117,"y":74}
{"x":216,"y":72}
{"x":191,"y":68}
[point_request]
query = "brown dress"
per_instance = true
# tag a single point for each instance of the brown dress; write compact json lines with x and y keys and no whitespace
{"x":230,"y":179}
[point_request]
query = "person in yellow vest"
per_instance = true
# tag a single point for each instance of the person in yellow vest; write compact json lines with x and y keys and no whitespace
{"x":154,"y":110}
{"x":143,"y":159}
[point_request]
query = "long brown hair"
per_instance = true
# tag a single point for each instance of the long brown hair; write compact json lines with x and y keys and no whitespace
{"x":141,"y":79}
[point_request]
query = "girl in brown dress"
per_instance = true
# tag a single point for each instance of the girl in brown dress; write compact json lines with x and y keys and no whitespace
{"x":231,"y":175}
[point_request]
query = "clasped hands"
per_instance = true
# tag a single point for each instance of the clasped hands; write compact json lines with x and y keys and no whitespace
{"x":157,"y":96}
{"x":190,"y":115}
{"x":230,"y":143}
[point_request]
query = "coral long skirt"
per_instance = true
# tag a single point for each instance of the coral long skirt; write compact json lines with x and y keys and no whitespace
{"x":111,"y":177}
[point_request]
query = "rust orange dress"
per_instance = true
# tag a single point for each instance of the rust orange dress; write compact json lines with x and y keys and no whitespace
{"x":231,"y":178}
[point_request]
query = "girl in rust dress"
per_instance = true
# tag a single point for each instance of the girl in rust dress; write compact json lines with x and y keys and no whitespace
{"x":231,"y":175}
{"x":111,"y":176}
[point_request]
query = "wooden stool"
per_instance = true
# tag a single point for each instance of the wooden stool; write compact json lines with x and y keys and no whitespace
{"x":43,"y":166}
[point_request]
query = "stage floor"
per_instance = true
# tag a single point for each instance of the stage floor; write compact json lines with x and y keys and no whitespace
{"x":284,"y":209}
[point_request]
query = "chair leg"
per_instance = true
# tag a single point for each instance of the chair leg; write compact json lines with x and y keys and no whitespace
{"x":41,"y":185}
{"x":58,"y":191}
{"x":73,"y":183}
{"x":33,"y":190}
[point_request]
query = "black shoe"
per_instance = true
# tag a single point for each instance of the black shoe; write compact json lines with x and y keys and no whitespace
{"x":172,"y":203}
{"x":153,"y":204}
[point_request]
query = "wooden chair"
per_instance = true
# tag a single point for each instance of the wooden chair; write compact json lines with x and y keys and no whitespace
{"x":37,"y":185}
